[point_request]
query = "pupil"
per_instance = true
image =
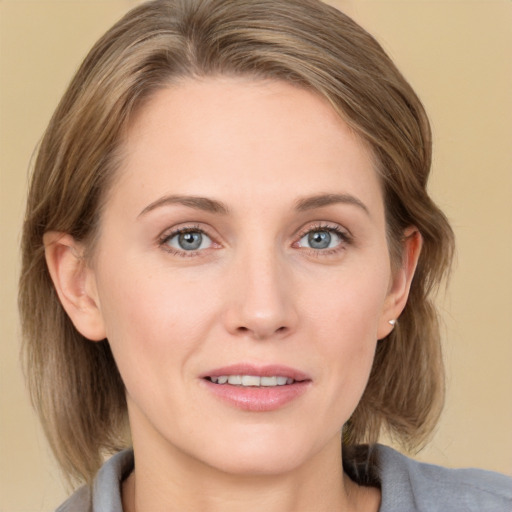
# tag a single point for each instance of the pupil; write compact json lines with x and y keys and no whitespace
{"x":319,"y":239}
{"x":190,"y":241}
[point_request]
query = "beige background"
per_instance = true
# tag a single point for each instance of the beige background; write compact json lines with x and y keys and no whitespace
{"x":457,"y":54}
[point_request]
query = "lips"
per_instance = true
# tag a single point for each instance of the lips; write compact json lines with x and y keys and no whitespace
{"x":258,"y":371}
{"x":256,"y":388}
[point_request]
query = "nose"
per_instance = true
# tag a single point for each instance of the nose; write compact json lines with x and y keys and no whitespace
{"x":260,"y":297}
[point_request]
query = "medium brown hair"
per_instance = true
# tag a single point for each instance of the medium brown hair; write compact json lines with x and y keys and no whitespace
{"x":74,"y":383}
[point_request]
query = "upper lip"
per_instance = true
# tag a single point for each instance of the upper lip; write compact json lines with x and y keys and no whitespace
{"x":257,"y":370}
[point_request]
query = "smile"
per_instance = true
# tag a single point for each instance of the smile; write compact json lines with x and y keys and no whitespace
{"x":252,"y":380}
{"x":256,"y":388}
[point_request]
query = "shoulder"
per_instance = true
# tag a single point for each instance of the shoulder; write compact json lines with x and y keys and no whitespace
{"x":408,"y":485}
{"x":79,"y":501}
{"x":105,"y":494}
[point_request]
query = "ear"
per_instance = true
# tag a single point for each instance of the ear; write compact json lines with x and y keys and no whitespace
{"x":75,"y":283}
{"x":401,"y":281}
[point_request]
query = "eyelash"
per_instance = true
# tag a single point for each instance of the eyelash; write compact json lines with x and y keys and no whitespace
{"x":167,"y":236}
{"x":343,"y":235}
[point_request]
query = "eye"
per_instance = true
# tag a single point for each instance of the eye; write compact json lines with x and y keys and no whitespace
{"x":322,"y":238}
{"x":188,"y":240}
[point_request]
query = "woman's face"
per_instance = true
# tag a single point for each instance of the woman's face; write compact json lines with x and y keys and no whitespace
{"x":244,"y":240}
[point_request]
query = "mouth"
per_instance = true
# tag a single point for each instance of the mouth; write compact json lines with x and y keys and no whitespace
{"x":257,"y":389}
{"x":252,"y":380}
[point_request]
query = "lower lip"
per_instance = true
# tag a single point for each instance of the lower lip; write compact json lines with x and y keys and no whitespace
{"x":258,"y":399}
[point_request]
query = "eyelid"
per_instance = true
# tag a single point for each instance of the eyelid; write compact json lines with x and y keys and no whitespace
{"x":344,"y":234}
{"x":324,"y":226}
{"x":175,"y":230}
{"x":170,"y":233}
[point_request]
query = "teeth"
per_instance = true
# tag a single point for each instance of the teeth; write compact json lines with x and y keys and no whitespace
{"x":252,"y":380}
{"x":269,"y":381}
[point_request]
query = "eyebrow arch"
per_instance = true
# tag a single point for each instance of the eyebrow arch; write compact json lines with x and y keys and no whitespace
{"x":320,"y":200}
{"x":199,"y":203}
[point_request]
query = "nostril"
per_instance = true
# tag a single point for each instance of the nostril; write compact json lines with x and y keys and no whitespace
{"x":261,"y":333}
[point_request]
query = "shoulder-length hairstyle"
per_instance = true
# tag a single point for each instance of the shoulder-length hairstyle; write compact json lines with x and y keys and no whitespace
{"x":74,"y":383}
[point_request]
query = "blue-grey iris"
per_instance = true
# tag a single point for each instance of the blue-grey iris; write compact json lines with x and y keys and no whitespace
{"x":190,"y":241}
{"x":319,"y":239}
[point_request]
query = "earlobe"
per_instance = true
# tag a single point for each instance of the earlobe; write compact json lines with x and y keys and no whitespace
{"x":74,"y":283}
{"x":401,"y":282}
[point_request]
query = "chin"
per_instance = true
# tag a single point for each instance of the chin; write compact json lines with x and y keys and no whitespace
{"x":258,"y":464}
{"x":251,"y":454}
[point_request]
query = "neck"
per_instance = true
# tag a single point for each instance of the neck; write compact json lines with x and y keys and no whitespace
{"x":168,"y":480}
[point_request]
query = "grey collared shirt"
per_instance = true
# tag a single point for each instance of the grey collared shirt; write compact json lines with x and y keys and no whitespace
{"x":407,"y":486}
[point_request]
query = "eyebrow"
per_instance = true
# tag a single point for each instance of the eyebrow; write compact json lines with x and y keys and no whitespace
{"x":199,"y":203}
{"x":213,"y":206}
{"x":321,"y":200}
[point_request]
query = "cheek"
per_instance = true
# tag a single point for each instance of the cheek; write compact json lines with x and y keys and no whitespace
{"x":344,"y":321}
{"x":152,"y":320}
{"x":349,"y":306}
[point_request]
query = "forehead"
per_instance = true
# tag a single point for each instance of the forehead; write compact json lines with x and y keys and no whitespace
{"x":241,"y":139}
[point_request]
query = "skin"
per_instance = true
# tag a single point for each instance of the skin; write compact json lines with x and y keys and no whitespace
{"x":255,"y":292}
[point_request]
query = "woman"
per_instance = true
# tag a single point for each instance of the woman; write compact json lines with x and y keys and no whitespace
{"x":229,"y":253}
